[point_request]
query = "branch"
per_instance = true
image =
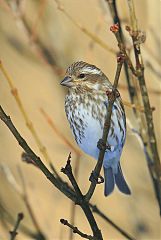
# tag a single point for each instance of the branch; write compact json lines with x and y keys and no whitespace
{"x":77,"y":152}
{"x":14,"y":233}
{"x":28,"y":122}
{"x":91,"y":35}
{"x":155,"y":167}
{"x":76,"y":230}
{"x":42,"y":52}
{"x":114,"y":14}
{"x":120,"y":230}
{"x":82,"y":201}
{"x":56,"y":182}
{"x":111,"y":99}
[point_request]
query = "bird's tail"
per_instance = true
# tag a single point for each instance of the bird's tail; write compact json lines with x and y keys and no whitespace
{"x":111,"y":179}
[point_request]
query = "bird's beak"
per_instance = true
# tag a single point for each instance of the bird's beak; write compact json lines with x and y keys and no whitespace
{"x":67,"y":81}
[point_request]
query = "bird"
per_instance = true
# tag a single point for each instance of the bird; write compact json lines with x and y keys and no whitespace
{"x":86,"y":109}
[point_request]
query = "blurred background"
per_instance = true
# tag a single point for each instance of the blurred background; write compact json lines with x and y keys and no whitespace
{"x":38,"y":41}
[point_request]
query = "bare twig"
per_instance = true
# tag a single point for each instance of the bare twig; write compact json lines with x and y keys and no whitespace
{"x":155,"y":92}
{"x":23,"y":194}
{"x":76,"y":230}
{"x":111,"y":99}
{"x":82,"y":201}
{"x":14,"y":233}
{"x":58,"y":183}
{"x":74,"y":196}
{"x":120,"y":230}
{"x":155,"y":167}
{"x":77,"y":161}
{"x":91,"y":35}
{"x":73,"y":207}
{"x":37,"y":46}
{"x":28,"y":122}
{"x":29,"y":207}
{"x":116,"y":20}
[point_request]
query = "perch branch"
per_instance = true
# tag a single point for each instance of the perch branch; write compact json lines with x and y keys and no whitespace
{"x":55,"y":181}
{"x":82,"y":201}
{"x":58,"y":183}
{"x":111,"y":99}
{"x":77,"y":161}
{"x":116,"y":20}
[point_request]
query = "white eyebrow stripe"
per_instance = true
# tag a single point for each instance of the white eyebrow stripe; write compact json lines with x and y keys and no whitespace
{"x":91,"y":70}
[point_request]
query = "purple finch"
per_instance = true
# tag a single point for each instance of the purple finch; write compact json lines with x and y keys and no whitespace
{"x":86,"y":108}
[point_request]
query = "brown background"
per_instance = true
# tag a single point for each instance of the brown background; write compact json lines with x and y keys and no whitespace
{"x":38,"y":86}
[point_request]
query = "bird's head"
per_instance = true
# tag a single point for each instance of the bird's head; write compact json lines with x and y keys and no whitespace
{"x":83,"y":76}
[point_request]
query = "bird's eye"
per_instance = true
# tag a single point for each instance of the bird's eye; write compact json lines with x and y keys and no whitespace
{"x":81,"y":75}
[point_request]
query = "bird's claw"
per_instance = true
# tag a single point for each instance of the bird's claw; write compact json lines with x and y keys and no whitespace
{"x":102,"y":146}
{"x":98,"y":180}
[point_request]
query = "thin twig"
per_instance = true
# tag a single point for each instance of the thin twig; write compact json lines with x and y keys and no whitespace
{"x":23,"y":194}
{"x":76,"y":230}
{"x":156,"y":92}
{"x":28,"y":206}
{"x":91,"y":35}
{"x":120,"y":230}
{"x":28,"y":122}
{"x":58,"y":183}
{"x":55,"y":181}
{"x":116,"y":20}
{"x":37,"y":46}
{"x":111,"y":100}
{"x":14,"y":233}
{"x":77,"y":161}
{"x":82,"y":201}
{"x":73,"y":207}
{"x":155,"y":167}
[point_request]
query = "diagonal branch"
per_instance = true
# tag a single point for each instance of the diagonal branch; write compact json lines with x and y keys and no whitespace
{"x":82,"y":201}
{"x":58,"y":183}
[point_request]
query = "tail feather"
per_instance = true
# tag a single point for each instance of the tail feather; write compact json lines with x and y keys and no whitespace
{"x":109,"y":181}
{"x":121,"y":182}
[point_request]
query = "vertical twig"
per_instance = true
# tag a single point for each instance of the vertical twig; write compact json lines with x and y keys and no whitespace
{"x":116,"y":20}
{"x":111,"y":99}
{"x":155,"y":166}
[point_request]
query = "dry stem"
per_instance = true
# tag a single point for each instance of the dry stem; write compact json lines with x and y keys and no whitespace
{"x":28,"y":122}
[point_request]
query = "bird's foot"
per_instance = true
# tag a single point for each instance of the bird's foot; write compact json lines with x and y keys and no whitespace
{"x":102,"y":146}
{"x":98,"y":179}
